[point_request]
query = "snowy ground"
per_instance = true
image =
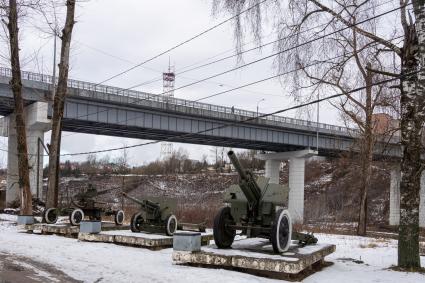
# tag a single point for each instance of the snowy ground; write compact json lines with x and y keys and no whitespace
{"x":98,"y":262}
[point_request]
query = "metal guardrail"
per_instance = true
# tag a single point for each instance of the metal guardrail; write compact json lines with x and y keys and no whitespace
{"x":139,"y":95}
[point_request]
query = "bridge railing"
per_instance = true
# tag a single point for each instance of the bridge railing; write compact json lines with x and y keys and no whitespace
{"x":143,"y":96}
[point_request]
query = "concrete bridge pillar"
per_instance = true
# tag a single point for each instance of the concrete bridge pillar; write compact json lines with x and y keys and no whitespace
{"x":37,"y":124}
{"x":296,"y":188}
{"x":296,"y":177}
{"x":272,"y":170}
{"x":395,"y":198}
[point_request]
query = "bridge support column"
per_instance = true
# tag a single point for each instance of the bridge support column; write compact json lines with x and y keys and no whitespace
{"x":36,"y":123}
{"x":395,"y":198}
{"x":296,"y":177}
{"x":296,"y":189}
{"x":272,"y":170}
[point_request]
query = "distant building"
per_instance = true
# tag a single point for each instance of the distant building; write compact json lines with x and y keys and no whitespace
{"x":385,"y":124}
{"x":69,"y":165}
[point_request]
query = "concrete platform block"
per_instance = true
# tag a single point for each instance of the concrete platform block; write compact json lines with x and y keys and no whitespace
{"x":90,"y":227}
{"x":25,"y":219}
{"x":187,"y":241}
{"x":142,"y":240}
{"x":65,"y":229}
{"x":256,"y":256}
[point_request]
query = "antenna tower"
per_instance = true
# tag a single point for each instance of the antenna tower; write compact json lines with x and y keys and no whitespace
{"x":168,"y":79}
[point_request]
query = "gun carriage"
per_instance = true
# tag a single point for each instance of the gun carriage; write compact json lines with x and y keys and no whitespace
{"x":258,"y":209}
{"x":84,"y":205}
{"x":154,"y":216}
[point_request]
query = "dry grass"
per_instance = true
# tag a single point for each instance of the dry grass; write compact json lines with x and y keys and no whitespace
{"x":368,"y":246}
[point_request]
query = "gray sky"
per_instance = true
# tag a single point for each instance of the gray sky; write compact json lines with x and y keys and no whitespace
{"x":110,"y":36}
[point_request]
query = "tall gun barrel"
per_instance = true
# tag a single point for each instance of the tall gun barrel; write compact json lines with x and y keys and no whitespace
{"x":237,"y":164}
{"x":132,"y":198}
{"x":145,"y":204}
{"x":105,"y":191}
{"x":247,"y":182}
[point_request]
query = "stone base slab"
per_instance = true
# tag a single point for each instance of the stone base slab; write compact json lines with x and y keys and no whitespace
{"x":143,"y":240}
{"x":256,"y":256}
{"x":66,"y":229}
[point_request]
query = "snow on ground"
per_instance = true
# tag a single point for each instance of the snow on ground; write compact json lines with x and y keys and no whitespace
{"x":101,"y":262}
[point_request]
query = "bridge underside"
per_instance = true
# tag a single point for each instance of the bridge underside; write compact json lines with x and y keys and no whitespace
{"x":161,"y":135}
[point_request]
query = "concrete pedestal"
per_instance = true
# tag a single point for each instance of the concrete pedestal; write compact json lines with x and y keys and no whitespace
{"x":142,"y":240}
{"x":255,"y":256}
{"x":187,"y":241}
{"x":90,"y":227}
{"x":25,"y":219}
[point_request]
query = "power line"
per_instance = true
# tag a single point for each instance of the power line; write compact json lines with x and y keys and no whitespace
{"x":285,"y":50}
{"x":182,"y":43}
{"x":242,"y":52}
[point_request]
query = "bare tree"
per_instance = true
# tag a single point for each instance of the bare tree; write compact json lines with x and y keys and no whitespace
{"x":16,"y":86}
{"x":344,"y":15}
{"x":58,"y":106}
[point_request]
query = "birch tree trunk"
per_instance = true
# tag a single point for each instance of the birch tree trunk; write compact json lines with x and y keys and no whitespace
{"x":58,"y":106}
{"x":412,"y":118}
{"x":16,"y":85}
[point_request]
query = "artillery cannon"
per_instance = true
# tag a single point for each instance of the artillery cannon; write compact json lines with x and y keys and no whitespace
{"x":84,"y":204}
{"x":153,"y":216}
{"x":257,"y":208}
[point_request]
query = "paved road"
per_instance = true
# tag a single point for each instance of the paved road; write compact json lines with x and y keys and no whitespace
{"x":18,"y":269}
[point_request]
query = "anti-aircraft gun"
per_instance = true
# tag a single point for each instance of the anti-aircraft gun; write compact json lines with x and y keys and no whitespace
{"x":85,"y":204}
{"x":153,"y":216}
{"x":257,"y":208}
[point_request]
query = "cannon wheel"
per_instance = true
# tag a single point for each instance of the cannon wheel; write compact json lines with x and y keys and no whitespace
{"x":223,"y":236}
{"x":170,"y":225}
{"x":50,"y":215}
{"x":281,"y":231}
{"x":119,"y":217}
{"x":136,"y":222}
{"x":76,"y":216}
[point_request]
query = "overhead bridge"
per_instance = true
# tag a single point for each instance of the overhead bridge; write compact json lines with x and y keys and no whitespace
{"x":106,"y":110}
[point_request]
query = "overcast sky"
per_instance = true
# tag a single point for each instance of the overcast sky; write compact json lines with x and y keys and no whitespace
{"x":110,"y":36}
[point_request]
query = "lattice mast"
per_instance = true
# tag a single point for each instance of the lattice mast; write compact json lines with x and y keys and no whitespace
{"x":168,"y":79}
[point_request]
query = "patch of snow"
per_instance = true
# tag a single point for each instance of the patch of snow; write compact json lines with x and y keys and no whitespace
{"x":90,"y":262}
